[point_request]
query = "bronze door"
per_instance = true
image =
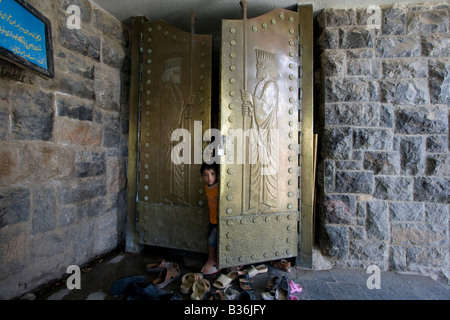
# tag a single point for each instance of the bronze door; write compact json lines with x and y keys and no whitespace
{"x":175,"y":84}
{"x":259,"y":181}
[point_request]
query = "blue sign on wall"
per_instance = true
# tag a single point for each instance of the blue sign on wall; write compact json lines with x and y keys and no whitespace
{"x":25,"y":36}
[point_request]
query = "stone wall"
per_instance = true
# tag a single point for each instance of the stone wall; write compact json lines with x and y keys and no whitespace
{"x":63,"y":151}
{"x":384,"y":171}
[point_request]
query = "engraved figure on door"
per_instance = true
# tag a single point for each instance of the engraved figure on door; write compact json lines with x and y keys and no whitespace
{"x":262,"y":107}
{"x":173,"y":113}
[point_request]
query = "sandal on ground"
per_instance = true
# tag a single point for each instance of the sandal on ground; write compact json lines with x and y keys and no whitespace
{"x":167,"y":275}
{"x":253,"y":271}
{"x":188,"y":280}
{"x":272,"y":284}
{"x":295,"y":287}
{"x":245,"y":283}
{"x":199,"y":289}
{"x":271,"y":288}
{"x":283,"y":291}
{"x":282,"y":264}
{"x":224,"y":281}
{"x":156,"y":266}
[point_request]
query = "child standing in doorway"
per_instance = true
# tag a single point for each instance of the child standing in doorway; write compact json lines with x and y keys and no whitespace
{"x":210,"y":175}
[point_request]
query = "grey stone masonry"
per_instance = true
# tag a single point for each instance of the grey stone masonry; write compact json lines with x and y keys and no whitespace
{"x":383,"y":122}
{"x":63,"y":150}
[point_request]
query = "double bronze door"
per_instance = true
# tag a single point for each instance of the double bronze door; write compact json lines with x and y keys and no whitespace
{"x":257,"y":142}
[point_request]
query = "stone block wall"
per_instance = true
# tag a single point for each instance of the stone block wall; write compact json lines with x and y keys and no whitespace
{"x":383,"y":87}
{"x":63,"y":150}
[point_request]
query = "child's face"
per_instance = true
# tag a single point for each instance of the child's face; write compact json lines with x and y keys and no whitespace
{"x":209,"y":177}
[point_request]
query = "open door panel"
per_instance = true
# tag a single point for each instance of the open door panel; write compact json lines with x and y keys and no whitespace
{"x":175,"y":83}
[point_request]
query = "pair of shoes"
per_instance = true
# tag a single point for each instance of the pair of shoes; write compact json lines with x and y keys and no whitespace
{"x":224,"y":281}
{"x":277,"y":288}
{"x":156,"y":266}
{"x":253,"y":271}
{"x":188,"y":281}
{"x":245,"y":283}
{"x":282,"y":264}
{"x":199,"y":289}
{"x":167,"y":275}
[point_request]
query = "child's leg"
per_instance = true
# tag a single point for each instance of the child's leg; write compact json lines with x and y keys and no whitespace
{"x":212,"y":245}
{"x":211,"y":262}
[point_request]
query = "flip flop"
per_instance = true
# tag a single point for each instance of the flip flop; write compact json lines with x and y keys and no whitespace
{"x":156,"y":266}
{"x":224,"y":280}
{"x":199,"y":289}
{"x":295,"y":287}
{"x":188,"y":280}
{"x":167,"y":275}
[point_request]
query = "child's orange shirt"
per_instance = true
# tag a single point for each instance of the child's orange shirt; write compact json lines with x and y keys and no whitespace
{"x":212,"y":194}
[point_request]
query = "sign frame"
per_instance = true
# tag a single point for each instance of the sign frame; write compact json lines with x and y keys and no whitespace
{"x":17,"y":59}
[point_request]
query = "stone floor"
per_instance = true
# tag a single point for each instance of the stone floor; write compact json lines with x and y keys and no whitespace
{"x":333,"y":284}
